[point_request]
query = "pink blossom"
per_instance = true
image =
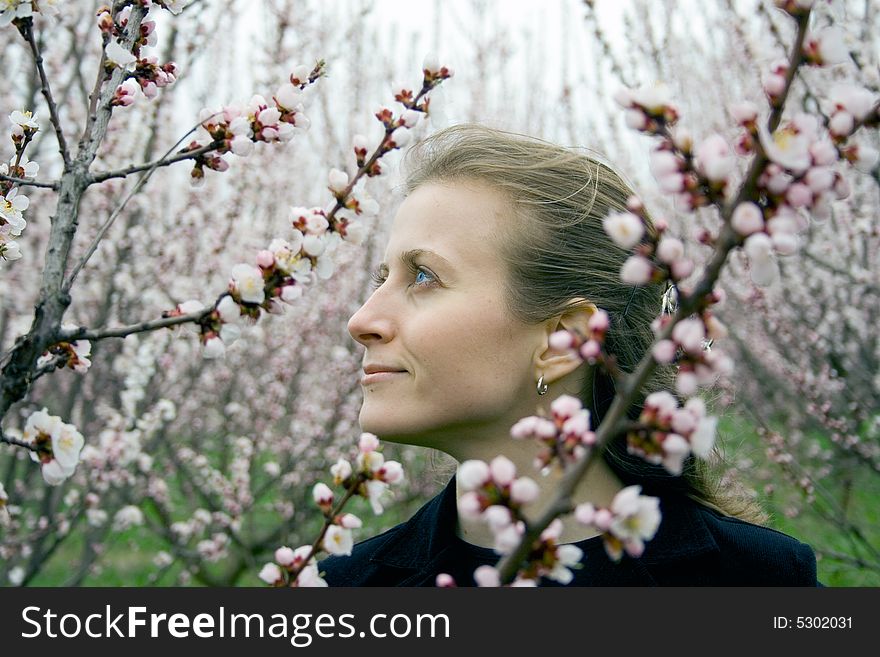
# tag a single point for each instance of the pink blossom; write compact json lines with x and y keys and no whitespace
{"x":553,"y":531}
{"x":524,"y":428}
{"x":690,"y":333}
{"x":663,"y":163}
{"x":662,"y":402}
{"x":799,"y":195}
{"x":670,"y":250}
{"x":624,"y":228}
{"x":560,"y":340}
{"x":637,"y":270}
{"x":338,"y":540}
{"x":747,"y":218}
{"x":487,"y":576}
{"x":681,"y":269}
{"x":524,"y":490}
{"x":431,"y":63}
{"x":819,"y":179}
{"x":566,"y":406}
{"x":703,"y":438}
{"x":686,"y":383}
{"x":774,"y":84}
{"x":714,"y":158}
{"x":473,"y":474}
{"x":271,"y":574}
{"x":590,"y":350}
{"x":744,"y":112}
{"x":854,"y":99}
{"x":368,"y":442}
{"x":375,"y":489}
{"x":675,"y":450}
{"x":338,"y":181}
{"x":391,"y":472}
{"x":284,"y":556}
{"x":445,"y":580}
{"x":777,"y":180}
{"x":497,"y":517}
{"x":502,"y":470}
{"x":683,"y":421}
{"x":823,"y":152}
{"x":585,"y":513}
{"x":322,"y":495}
{"x":828,"y":46}
{"x":578,"y":424}
{"x":248,"y":282}
{"x":671,"y":183}
{"x":341,"y":470}
{"x":599,"y":321}
{"x":508,"y":538}
{"x":863,"y":157}
{"x":758,"y":247}
{"x":841,"y":124}
{"x":664,"y":351}
{"x":469,"y":505}
{"x":635,"y":119}
{"x":602,"y":519}
{"x":288,"y":96}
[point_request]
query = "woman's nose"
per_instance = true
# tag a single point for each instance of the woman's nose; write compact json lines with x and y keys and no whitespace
{"x":371,"y":322}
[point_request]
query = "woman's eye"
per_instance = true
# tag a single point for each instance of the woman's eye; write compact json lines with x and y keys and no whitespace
{"x":424,"y":278}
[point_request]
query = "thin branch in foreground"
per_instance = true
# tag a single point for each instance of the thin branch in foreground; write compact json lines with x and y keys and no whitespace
{"x":84,"y":333}
{"x":17,"y":443}
{"x":32,"y":183}
{"x":26,"y":28}
{"x":161,"y":162}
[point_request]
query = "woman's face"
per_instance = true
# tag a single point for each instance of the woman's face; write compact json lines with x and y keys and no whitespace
{"x":439,"y":316}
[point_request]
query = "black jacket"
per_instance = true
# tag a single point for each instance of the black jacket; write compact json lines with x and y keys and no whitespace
{"x":694,"y":546}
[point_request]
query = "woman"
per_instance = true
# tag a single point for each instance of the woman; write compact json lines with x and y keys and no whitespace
{"x":498,"y":244}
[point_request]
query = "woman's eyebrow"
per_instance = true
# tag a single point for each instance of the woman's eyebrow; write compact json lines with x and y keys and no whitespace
{"x":409,"y":258}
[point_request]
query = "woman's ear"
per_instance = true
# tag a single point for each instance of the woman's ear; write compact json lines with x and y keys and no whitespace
{"x":552,"y":364}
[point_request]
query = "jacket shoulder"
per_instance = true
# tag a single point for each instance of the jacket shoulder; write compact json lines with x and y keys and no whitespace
{"x":357,"y":569}
{"x":746,"y":555}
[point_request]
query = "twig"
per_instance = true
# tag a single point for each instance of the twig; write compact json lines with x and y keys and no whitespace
{"x":26,"y":28}
{"x":16,"y":442}
{"x":33,"y":183}
{"x":161,"y":162}
{"x":83,"y":333}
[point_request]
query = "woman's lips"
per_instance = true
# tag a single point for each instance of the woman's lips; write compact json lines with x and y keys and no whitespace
{"x":377,"y":377}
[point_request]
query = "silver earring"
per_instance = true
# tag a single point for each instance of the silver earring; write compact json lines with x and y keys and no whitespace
{"x":542,"y":387}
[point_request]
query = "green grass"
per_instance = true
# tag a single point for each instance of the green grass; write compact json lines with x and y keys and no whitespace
{"x":849,"y":493}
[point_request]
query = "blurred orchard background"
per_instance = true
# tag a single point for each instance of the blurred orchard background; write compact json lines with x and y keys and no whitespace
{"x":201,"y":468}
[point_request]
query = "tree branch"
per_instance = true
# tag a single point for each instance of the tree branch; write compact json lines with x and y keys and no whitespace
{"x":26,"y":28}
{"x":32,"y":183}
{"x":101,"y":176}
{"x":84,"y":333}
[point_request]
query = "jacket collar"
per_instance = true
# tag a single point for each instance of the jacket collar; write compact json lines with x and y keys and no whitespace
{"x":683,"y":533}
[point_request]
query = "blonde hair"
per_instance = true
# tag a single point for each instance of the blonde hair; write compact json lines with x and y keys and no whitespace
{"x":556,"y":251}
